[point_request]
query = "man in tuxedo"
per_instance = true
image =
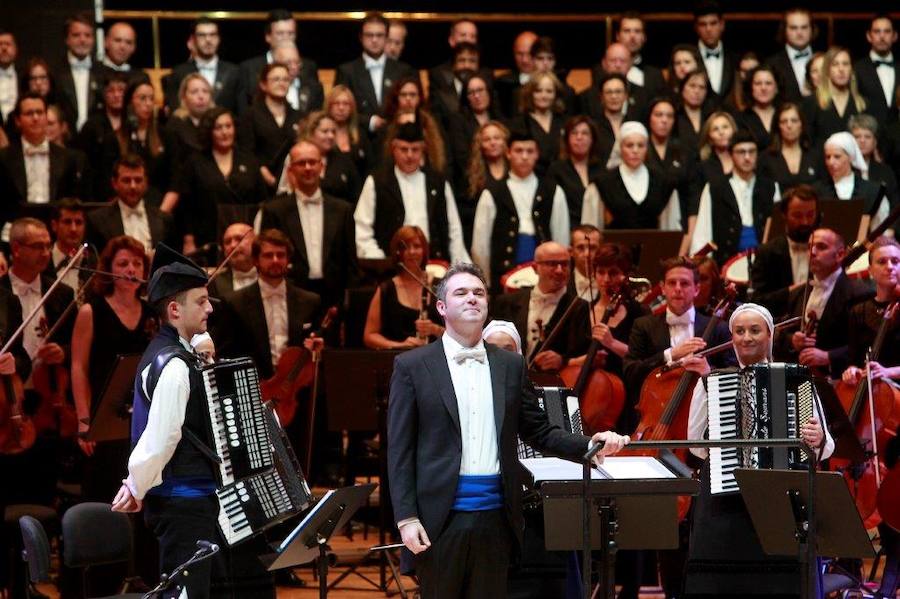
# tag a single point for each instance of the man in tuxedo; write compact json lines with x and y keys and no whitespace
{"x":119,"y":45}
{"x":240,"y":271}
{"x":371,"y":76}
{"x":34,"y":171}
{"x":877,"y":73}
{"x":536,"y":311}
{"x":129,"y":213}
{"x":444,"y":99}
{"x":444,"y":77}
{"x":782,"y":264}
{"x":68,"y":227}
{"x":632,"y":34}
{"x":827,"y":299}
{"x":396,"y":39}
{"x":406,"y":193}
{"x":9,"y":78}
{"x":222,"y":75}
{"x":456,"y":408}
{"x":304,"y":95}
{"x":280,"y":27}
{"x":320,"y":228}
{"x":508,"y":85}
{"x":583,"y":245}
{"x":709,"y":24}
{"x":79,"y":79}
{"x":797,"y":31}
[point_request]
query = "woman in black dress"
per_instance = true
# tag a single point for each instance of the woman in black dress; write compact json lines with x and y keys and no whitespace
{"x":579,"y":163}
{"x":395,"y":313}
{"x":220,"y":185}
{"x":98,"y":137}
{"x":182,"y":130}
{"x":693,"y":91}
{"x":269,"y":127}
{"x":864,"y":127}
{"x":542,"y":116}
{"x":350,"y":139}
{"x":476,"y":108}
{"x":762,"y":88}
{"x":141,"y":134}
{"x":487,"y":164}
{"x":668,"y":155}
{"x":791,"y":159}
{"x":683,"y":60}
{"x":836,"y":99}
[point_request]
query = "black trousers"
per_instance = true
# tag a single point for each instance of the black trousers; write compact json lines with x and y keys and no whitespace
{"x":470,"y":557}
{"x":178,"y":523}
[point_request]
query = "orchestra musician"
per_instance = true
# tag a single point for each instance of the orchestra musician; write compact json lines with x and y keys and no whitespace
{"x":452,"y":457}
{"x":584,"y":241}
{"x":725,"y":556}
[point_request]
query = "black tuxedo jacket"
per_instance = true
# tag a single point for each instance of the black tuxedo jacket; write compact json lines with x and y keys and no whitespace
{"x":105,"y":223}
{"x":54,"y":308}
{"x":225,"y":90}
{"x":870,"y":87}
{"x":771,"y":275}
{"x":339,"y":265}
{"x":791,"y":88}
{"x":425,"y":439}
{"x":354,"y":75}
{"x":66,"y":178}
{"x":730,"y":62}
{"x":248,"y":78}
{"x":514,"y":308}
{"x":244,"y":331}
{"x":65,"y":91}
{"x":650,"y":338}
{"x":10,"y":321}
{"x":832,"y":331}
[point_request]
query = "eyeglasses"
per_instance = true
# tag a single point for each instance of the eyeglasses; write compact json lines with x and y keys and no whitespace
{"x":38,"y":246}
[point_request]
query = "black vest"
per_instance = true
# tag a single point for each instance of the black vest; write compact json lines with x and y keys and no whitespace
{"x":187,"y":461}
{"x":726,"y":218}
{"x":628,"y":214}
{"x":506,"y":223}
{"x":389,"y":212}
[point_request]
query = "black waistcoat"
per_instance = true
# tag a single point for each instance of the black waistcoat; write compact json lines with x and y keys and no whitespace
{"x":726,"y":218}
{"x":389,"y":212}
{"x":628,"y":214}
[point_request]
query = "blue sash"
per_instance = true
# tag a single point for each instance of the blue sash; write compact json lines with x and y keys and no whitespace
{"x":478,"y":492}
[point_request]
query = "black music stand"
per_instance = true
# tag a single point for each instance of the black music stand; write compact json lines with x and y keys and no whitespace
{"x":841,"y":215}
{"x":652,"y":247}
{"x":309,"y":540}
{"x":112,"y":418}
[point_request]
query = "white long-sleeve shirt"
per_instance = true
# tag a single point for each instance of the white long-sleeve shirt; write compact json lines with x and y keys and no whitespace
{"x":743,"y":193}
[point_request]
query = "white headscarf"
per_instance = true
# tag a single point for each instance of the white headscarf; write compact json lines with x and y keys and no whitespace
{"x":630,"y":128}
{"x":761,"y":311}
{"x":846,"y":142}
{"x":503,"y":326}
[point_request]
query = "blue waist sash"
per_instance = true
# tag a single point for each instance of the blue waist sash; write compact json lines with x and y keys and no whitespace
{"x":477,"y":492}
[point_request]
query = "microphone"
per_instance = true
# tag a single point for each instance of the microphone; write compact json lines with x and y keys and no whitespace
{"x":207,"y":546}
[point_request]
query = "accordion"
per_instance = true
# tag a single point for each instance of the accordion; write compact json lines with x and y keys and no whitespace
{"x":260,"y":480}
{"x":562,"y":410}
{"x":763,"y":401}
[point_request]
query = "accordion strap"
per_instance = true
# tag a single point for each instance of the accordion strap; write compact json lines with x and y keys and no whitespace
{"x":159,"y":362}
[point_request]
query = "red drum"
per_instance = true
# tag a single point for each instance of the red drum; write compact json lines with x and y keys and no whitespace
{"x":523,"y":275}
{"x":860,"y":268}
{"x":737,"y":269}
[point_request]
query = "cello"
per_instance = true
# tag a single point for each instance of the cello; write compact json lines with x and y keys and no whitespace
{"x":866,"y":399}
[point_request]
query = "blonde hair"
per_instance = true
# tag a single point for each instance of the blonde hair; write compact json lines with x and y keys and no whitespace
{"x":476,"y":170}
{"x":526,"y":96}
{"x":353,"y":121}
{"x":825,"y":91}
{"x":182,"y":111}
{"x":705,"y":147}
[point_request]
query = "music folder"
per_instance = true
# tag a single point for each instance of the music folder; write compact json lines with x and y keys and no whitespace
{"x":112,"y":418}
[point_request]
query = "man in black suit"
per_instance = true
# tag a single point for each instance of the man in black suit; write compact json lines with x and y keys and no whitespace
{"x":222,"y":75}
{"x":320,"y":227}
{"x":280,"y":27}
{"x":709,"y":24}
{"x":632,"y":34}
{"x":797,"y":32}
{"x":129,"y":213}
{"x":241,"y":271}
{"x":9,"y":78}
{"x":828,"y":299}
{"x":33,"y":171}
{"x":396,"y":39}
{"x":782,"y":264}
{"x":444,"y":98}
{"x":456,"y":408}
{"x":444,"y":77}
{"x":119,"y":45}
{"x":508,"y":85}
{"x":371,"y":76}
{"x":877,"y":73}
{"x":536,"y":311}
{"x":304,"y":95}
{"x":79,"y":79}
{"x":616,"y":61}
{"x":68,"y":225}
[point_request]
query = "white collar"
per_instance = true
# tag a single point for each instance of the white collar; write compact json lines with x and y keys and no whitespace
{"x":691,"y":314}
{"x":451,"y":345}
{"x":374,"y":62}
{"x":123,"y":68}
{"x":74,"y":60}
{"x":44,"y":146}
{"x":20,"y":285}
{"x":406,"y":176}
{"x":266,"y":289}
{"x":792,"y":52}
{"x":126,"y":209}
{"x":536,"y":293}
{"x":315,"y":198}
{"x":844,"y":185}
{"x":703,"y":49}
{"x":889,"y":57}
{"x":829,"y":281}
{"x":630,"y":173}
{"x":212,"y":63}
{"x":522,"y":180}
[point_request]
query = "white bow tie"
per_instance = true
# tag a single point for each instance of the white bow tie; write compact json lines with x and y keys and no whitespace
{"x":83,"y":65}
{"x":23,"y":288}
{"x":673,"y":321}
{"x":276,"y":293}
{"x":470,"y":353}
{"x":130,"y":212}
{"x":39,"y":150}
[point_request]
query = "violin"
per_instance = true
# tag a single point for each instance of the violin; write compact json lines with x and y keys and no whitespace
{"x":601,"y":394}
{"x":861,"y":401}
{"x":17,"y":431}
{"x":51,"y":381}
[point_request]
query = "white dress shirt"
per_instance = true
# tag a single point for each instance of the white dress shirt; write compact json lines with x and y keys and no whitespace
{"x":799,"y":261}
{"x":122,"y":68}
{"x":9,"y":90}
{"x":293,"y":95}
{"x":743,"y":193}
{"x":311,"y":222}
{"x":275,"y":306}
{"x":29,"y":295}
{"x":799,"y":59}
{"x":208,"y":69}
{"x":81,"y":76}
{"x":415,"y":212}
{"x":241,"y":279}
{"x":375,"y":67}
{"x":681,"y":328}
{"x":541,"y":307}
{"x":136,"y":224}
{"x":886,"y":75}
{"x":714,"y":60}
{"x":635,"y":75}
{"x":522,"y":191}
{"x":37,"y":171}
{"x":820,"y":293}
{"x":58,"y":256}
{"x":584,"y":287}
{"x":164,"y":421}
{"x":475,"y":401}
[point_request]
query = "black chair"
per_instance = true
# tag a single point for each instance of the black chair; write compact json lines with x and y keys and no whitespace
{"x":35,"y":553}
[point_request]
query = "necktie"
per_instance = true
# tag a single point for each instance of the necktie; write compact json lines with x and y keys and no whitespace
{"x":80,"y":65}
{"x":470,"y":353}
{"x":712,"y":54}
{"x":883,"y":63}
{"x":673,"y":320}
{"x":802,"y":54}
{"x":272,"y":293}
{"x":41,"y":150}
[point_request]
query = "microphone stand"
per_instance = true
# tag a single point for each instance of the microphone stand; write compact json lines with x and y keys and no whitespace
{"x":167,"y":580}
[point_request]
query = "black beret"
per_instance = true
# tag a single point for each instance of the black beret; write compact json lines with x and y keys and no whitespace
{"x":410,"y":132}
{"x":172,"y":273}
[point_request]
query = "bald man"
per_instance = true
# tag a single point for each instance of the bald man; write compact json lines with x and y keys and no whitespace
{"x":508,"y":85}
{"x":240,"y":272}
{"x":119,"y":45}
{"x":536,"y":311}
{"x":617,"y":59}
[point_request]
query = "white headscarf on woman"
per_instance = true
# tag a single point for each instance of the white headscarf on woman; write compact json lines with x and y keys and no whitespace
{"x":846,"y":142}
{"x":506,"y":327}
{"x":761,"y":311}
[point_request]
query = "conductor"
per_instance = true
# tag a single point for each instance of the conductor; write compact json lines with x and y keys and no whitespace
{"x":455,"y":409}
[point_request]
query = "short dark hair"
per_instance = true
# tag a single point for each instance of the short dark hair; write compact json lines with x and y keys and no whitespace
{"x":521,"y":135}
{"x":208,"y":123}
{"x":543,"y":44}
{"x":571,"y":123}
{"x":707,"y":7}
{"x":747,"y":85}
{"x":680,"y":262}
{"x":614,"y":254}
{"x":29,"y":96}
{"x":469,"y":47}
{"x":82,"y":18}
{"x":456,"y":269}
{"x":460,"y":22}
{"x":586,"y":230}
{"x":274,"y":237}
{"x":631,"y":15}
{"x":132,"y":161}
{"x":277,"y":15}
{"x":203,"y":21}
{"x":67,"y":204}
{"x":742,"y":136}
{"x":801,"y":193}
{"x":781,"y":36}
{"x":114,"y":77}
{"x":374,"y":17}
{"x":607,"y":77}
{"x":881,"y":15}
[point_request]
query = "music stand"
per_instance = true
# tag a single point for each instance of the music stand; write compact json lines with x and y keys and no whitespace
{"x":846,"y":443}
{"x":652,"y":247}
{"x":112,"y":418}
{"x":309,"y":540}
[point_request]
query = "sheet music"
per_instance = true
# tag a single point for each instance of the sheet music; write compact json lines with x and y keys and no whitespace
{"x":621,"y":467}
{"x":306,"y":519}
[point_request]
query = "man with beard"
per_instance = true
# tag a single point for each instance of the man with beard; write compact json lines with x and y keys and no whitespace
{"x":782,"y":264}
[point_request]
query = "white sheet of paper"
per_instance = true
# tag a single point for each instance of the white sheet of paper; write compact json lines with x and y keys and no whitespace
{"x":622,"y":467}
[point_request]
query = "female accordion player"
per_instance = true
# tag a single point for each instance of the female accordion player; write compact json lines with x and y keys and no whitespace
{"x":725,"y":556}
